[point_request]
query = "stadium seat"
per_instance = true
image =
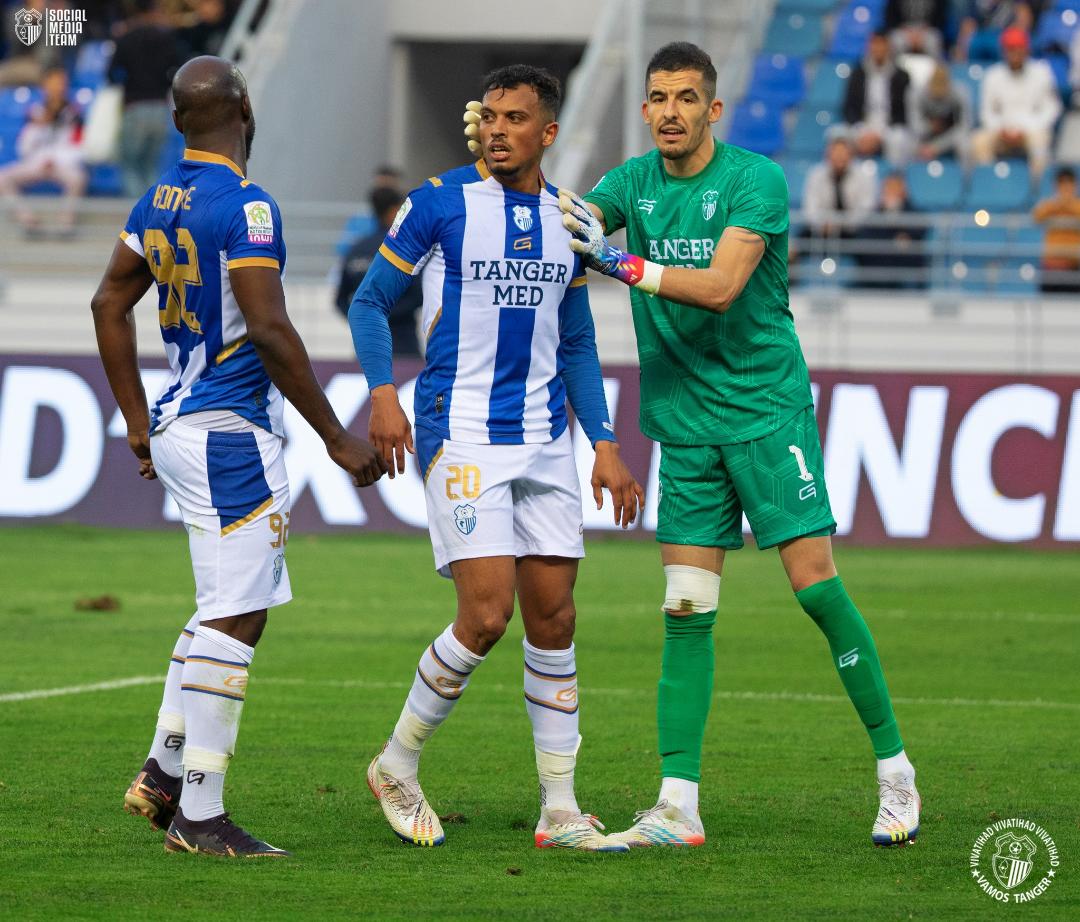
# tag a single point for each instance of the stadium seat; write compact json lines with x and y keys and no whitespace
{"x":806,"y":6}
{"x":808,"y":135}
{"x":827,"y":88}
{"x":92,"y":64}
{"x":853,"y":29}
{"x":797,"y":35}
{"x":1001,"y":186}
{"x":817,"y":271}
{"x":1054,"y":32}
{"x":935,"y":186}
{"x":1059,"y":64}
{"x":795,"y":169}
{"x":777,"y":80}
{"x":105,"y":180}
{"x":969,"y":75}
{"x":757,"y":127}
{"x":15,"y":102}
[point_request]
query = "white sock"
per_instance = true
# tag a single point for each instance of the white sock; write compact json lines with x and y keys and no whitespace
{"x":214,"y":684}
{"x":897,"y":764}
{"x":168,"y":745}
{"x":441,"y":677}
{"x":551,"y":700}
{"x":680,"y":793}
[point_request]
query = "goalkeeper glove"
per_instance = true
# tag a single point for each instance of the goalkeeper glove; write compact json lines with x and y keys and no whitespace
{"x":589,"y":240}
{"x":472,"y":127}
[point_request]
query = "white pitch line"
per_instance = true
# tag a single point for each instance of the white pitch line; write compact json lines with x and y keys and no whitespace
{"x":367,"y":685}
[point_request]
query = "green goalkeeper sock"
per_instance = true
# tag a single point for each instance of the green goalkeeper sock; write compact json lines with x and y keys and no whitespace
{"x":856,"y":660}
{"x":685,"y":693}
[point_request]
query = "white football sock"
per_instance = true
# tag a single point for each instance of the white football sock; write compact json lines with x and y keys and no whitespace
{"x":551,"y":700}
{"x":441,"y":677}
{"x":214,"y":684}
{"x":168,"y":746}
{"x":897,"y":764}
{"x":680,"y":793}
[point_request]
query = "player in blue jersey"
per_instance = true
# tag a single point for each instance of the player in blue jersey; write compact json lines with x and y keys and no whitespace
{"x":212,"y":242}
{"x":509,"y":338}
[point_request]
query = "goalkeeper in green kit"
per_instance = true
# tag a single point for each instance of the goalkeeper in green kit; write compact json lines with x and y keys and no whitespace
{"x":726,"y":393}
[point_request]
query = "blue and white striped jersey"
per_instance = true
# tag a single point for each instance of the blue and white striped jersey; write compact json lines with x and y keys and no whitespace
{"x":499,"y":282}
{"x":202,"y":219}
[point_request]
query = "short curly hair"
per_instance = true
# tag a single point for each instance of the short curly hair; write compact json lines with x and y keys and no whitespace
{"x":547,"y":85}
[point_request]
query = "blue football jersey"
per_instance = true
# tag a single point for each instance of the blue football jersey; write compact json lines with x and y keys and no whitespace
{"x":498,"y":279}
{"x":202,"y":219}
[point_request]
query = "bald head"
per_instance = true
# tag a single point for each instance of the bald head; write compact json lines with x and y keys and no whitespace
{"x":211,"y":99}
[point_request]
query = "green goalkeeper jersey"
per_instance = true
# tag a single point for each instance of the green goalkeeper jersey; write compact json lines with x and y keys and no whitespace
{"x":707,"y":378}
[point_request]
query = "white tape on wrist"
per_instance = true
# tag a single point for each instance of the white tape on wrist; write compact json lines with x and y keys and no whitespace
{"x":650,"y":277}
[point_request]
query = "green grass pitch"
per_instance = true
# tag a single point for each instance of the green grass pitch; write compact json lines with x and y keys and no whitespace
{"x":980,"y":648}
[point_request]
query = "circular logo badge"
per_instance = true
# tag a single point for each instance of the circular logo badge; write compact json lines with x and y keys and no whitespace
{"x":1014,"y":861}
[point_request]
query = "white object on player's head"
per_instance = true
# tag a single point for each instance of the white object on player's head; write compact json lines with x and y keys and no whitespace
{"x":471,"y":117}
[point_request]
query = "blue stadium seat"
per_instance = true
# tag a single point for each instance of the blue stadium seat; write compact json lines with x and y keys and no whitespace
{"x":356,"y":227}
{"x":1054,"y":31}
{"x":1059,"y":64}
{"x":818,"y":271}
{"x":807,"y":6}
{"x":92,"y":64}
{"x":853,"y":29}
{"x":808,"y":136}
{"x":979,"y":257}
{"x":16,"y":101}
{"x":969,"y":75}
{"x":105,"y":180}
{"x":935,"y":186}
{"x":827,"y":88}
{"x":777,"y":80}
{"x":1060,"y":5}
{"x":798,"y":35}
{"x":757,"y":127}
{"x":1001,"y":186}
{"x":795,"y":169}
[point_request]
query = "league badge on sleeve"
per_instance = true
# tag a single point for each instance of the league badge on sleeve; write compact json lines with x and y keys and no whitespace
{"x":260,"y":222}
{"x":403,"y":211}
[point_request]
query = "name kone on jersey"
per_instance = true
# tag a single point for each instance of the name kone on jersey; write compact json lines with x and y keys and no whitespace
{"x":518,"y":270}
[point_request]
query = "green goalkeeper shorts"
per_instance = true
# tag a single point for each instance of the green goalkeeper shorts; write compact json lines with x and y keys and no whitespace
{"x":777,"y":480}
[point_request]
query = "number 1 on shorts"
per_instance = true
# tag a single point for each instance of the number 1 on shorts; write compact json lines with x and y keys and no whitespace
{"x":800,"y":459}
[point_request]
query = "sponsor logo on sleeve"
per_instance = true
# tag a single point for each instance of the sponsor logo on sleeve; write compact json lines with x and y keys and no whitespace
{"x":260,"y":222}
{"x":403,"y":212}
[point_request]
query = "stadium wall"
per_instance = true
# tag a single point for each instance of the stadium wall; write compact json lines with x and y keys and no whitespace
{"x":944,"y":459}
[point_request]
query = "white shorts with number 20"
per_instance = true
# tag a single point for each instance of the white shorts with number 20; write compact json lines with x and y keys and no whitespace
{"x":495,"y":500}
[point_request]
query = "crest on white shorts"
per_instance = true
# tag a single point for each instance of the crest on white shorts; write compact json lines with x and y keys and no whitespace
{"x":523,"y":217}
{"x":279,"y":565}
{"x":465,"y":519}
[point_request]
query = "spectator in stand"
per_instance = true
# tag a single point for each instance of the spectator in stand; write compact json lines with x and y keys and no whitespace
{"x":147,"y":55}
{"x":941,"y":118}
{"x":205,"y":28}
{"x":917,"y":26}
{"x":1019,"y":106}
{"x":839,"y":193}
{"x":875,"y":105}
{"x":1061,"y":246}
{"x":894,"y":252}
{"x":48,"y":149}
{"x":983,"y":23}
{"x":385,"y":202}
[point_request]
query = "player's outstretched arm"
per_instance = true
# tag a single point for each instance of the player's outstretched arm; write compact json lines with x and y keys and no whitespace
{"x":261,"y":299}
{"x":126,"y":280}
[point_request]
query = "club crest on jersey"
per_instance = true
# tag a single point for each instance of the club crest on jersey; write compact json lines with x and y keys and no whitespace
{"x":260,"y":222}
{"x":465,"y":519}
{"x":708,"y":203}
{"x":523,"y":218}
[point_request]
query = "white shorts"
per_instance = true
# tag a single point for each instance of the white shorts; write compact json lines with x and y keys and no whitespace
{"x":495,"y":500}
{"x":233,"y":493}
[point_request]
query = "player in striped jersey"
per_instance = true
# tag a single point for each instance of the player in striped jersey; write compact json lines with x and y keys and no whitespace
{"x":509,"y":339}
{"x":211,"y":240}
